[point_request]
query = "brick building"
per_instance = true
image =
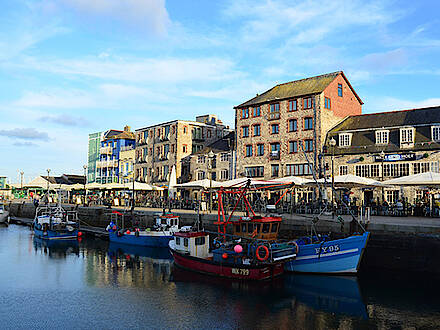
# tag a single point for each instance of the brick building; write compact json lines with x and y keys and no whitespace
{"x":272,"y":126}
{"x":198,"y":166}
{"x":387,"y":145}
{"x":162,"y":146}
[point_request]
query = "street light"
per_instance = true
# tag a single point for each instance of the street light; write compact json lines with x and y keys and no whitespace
{"x":211,"y":158}
{"x":85,"y":181}
{"x":382,"y":156}
{"x":48,"y":172}
{"x":332,"y":143}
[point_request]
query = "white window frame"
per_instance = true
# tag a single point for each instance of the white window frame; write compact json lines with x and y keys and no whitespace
{"x":345,"y":139}
{"x":435,"y":133}
{"x":382,"y":136}
{"x":343,"y":169}
{"x":404,"y":136}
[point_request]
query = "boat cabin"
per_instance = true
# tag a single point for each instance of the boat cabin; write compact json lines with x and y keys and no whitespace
{"x":195,"y":244}
{"x":257,"y":227}
{"x":167,"y":221}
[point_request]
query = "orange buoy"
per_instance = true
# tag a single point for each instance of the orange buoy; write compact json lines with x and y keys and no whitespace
{"x":80,"y":234}
{"x":127,"y":232}
{"x":225,"y":255}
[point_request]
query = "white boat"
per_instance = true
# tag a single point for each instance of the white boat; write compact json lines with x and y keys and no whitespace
{"x":4,"y":215}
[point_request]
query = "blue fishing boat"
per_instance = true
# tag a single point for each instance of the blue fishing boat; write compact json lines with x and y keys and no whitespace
{"x":320,"y":255}
{"x":157,"y":236}
{"x":53,"y":222}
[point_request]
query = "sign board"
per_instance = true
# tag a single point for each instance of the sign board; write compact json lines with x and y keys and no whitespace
{"x":395,"y":157}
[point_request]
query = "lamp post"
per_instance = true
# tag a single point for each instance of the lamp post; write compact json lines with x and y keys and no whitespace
{"x":210,"y":159}
{"x":21,"y":182}
{"x":382,"y":156}
{"x":48,"y":172}
{"x":85,"y":181}
{"x":332,"y":143}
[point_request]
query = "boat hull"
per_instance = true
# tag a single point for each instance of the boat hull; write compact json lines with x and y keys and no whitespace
{"x":142,"y":240}
{"x":241,"y":272}
{"x":4,"y":217}
{"x":53,"y":235}
{"x":342,"y":256}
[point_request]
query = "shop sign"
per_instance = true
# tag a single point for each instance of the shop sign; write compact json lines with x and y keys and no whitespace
{"x":396,"y":157}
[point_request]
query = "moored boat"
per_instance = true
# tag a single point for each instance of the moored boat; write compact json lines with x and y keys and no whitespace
{"x":4,"y":215}
{"x":157,"y":236}
{"x":53,"y":222}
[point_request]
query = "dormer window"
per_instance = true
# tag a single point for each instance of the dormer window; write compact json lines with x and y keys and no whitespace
{"x":382,"y":137}
{"x":344,"y":139}
{"x":435,"y":133}
{"x":407,"y":135}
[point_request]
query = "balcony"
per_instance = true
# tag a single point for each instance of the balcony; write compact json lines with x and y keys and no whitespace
{"x":165,"y":137}
{"x":106,"y":150}
{"x":127,"y":148}
{"x":274,"y":155}
{"x":274,"y":116}
{"x":107,"y":163}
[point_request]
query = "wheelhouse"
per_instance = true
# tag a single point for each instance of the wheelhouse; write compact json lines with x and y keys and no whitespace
{"x":195,"y":244}
{"x":265,"y":228}
{"x":167,"y":221}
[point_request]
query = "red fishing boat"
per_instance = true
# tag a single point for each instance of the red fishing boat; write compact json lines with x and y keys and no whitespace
{"x":253,"y":256}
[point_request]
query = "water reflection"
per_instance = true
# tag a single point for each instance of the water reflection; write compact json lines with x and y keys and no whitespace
{"x":57,"y":249}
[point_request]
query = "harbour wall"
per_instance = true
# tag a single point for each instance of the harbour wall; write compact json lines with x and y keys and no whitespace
{"x":396,"y":247}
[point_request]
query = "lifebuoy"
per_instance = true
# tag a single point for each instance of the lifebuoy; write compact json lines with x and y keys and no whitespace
{"x":266,"y":255}
{"x":296,"y":246}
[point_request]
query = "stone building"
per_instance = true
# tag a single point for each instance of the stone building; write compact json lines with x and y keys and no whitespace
{"x":162,"y":146}
{"x":387,"y":145}
{"x":277,"y":129}
{"x":220,"y":167}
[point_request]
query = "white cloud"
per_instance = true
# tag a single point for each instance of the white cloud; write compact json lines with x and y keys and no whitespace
{"x":60,"y":99}
{"x":146,"y":14}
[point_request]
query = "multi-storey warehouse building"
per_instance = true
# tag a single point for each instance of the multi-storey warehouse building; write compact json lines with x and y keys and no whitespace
{"x":277,"y":129}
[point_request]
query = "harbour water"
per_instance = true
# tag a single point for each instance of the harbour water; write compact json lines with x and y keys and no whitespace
{"x":96,"y":285}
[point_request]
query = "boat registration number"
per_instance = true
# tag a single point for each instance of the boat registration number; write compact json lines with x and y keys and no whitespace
{"x":327,"y":249}
{"x":239,"y":271}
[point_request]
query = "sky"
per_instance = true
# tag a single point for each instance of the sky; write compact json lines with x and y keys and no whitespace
{"x":73,"y":67}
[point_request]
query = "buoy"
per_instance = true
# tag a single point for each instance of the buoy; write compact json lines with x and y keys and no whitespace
{"x":127,"y":232}
{"x":80,"y":239}
{"x":114,"y":228}
{"x":80,"y":234}
{"x":225,"y":255}
{"x":238,"y":248}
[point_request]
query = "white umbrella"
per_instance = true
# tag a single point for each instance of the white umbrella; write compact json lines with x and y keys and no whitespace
{"x":77,"y":186}
{"x":94,"y":185}
{"x":173,"y":181}
{"x":240,"y":182}
{"x":296,"y":180}
{"x":421,"y":179}
{"x":139,"y":186}
{"x":350,"y":180}
{"x":205,"y":184}
{"x":114,"y":186}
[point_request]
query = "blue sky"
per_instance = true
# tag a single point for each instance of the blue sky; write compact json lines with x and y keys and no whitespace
{"x":72,"y":67}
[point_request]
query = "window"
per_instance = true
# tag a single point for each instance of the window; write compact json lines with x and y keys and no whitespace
{"x":249,"y":150}
{"x":185,"y":242}
{"x":245,"y":131}
{"x":275,"y":170}
{"x":237,"y":228}
{"x":275,"y":128}
{"x":256,"y":112}
{"x":293,"y":105}
{"x":255,"y":171}
{"x":308,"y":103}
{"x":224,"y":174}
{"x":224,"y":157}
{"x":327,"y":104}
{"x":185,"y":129}
{"x":275,"y":107}
{"x":293,"y":126}
{"x":434,"y":167}
{"x":274,"y":228}
{"x":344,"y":139}
{"x":275,"y":147}
{"x":201,"y":159}
{"x":343,"y":170}
{"x":407,"y":135}
{"x":363,"y":170}
{"x":298,"y":169}
{"x":382,"y":137}
{"x":308,"y":145}
{"x":308,"y":123}
{"x":435,"y":133}
{"x":293,"y":147}
{"x":177,"y":240}
{"x":200,"y":240}
{"x":200,"y":175}
{"x":392,"y":196}
{"x":420,"y":168}
{"x":396,"y":170}
{"x":340,"y":90}
{"x":184,"y":148}
{"x":260,"y":149}
{"x":266,"y":227}
{"x":244,"y":113}
{"x":257,"y":130}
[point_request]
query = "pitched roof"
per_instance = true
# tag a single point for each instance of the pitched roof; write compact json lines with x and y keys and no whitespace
{"x":307,"y":86}
{"x":223,"y":144}
{"x":125,"y":135}
{"x":411,"y":117}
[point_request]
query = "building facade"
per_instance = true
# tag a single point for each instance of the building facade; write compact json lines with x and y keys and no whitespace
{"x":126,"y":164}
{"x":162,"y":146}
{"x":281,"y":131}
{"x":110,"y":154}
{"x":221,"y":167}
{"x":387,"y":145}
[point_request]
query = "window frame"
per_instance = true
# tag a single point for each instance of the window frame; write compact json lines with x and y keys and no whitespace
{"x":247,"y":149}
{"x":243,"y":130}
{"x":296,"y":125}
{"x":293,"y":142}
{"x":277,"y":125}
{"x":340,"y":90}
{"x":304,"y":123}
{"x":344,"y":139}
{"x":308,"y":142}
{"x":258,"y":149}
{"x":254,"y":115}
{"x":259,"y":129}
{"x":380,"y":135}
{"x":290,"y":107}
{"x":433,"y":128}
{"x":276,"y":107}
